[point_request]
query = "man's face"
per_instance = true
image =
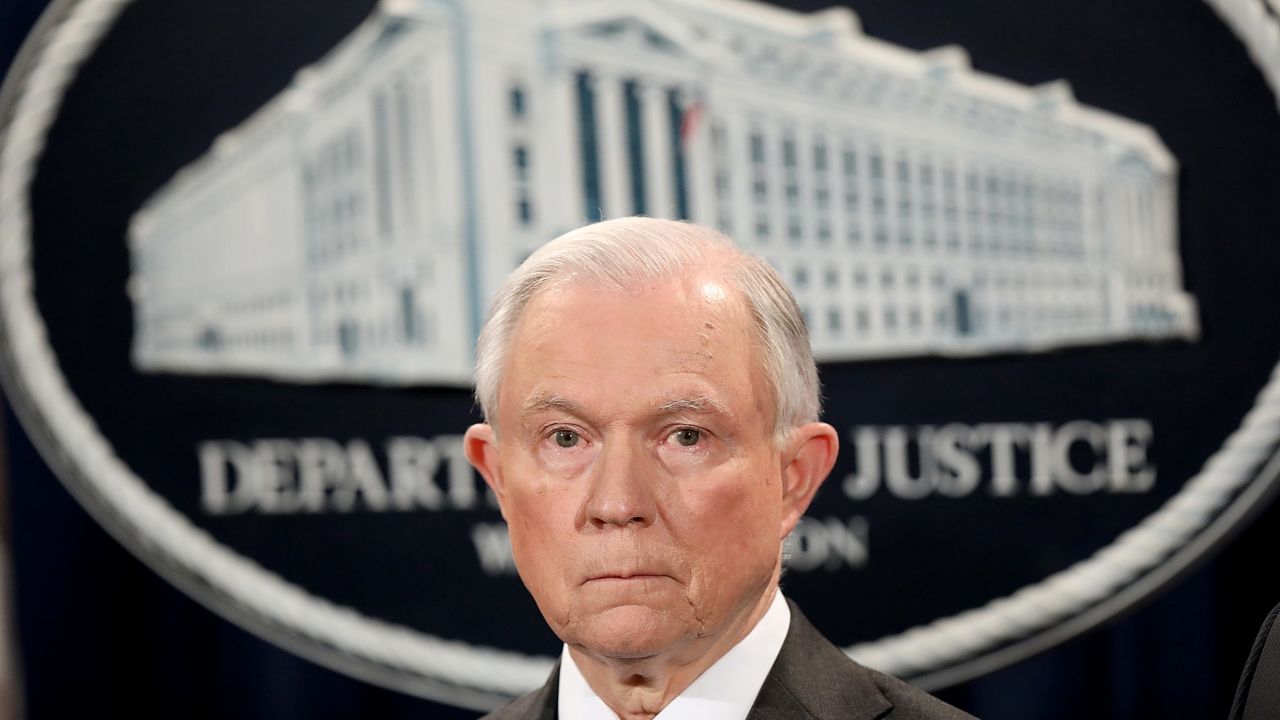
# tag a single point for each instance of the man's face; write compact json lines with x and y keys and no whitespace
{"x":636,"y":465}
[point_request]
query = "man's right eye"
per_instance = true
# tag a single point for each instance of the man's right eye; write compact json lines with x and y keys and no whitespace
{"x":567,"y":438}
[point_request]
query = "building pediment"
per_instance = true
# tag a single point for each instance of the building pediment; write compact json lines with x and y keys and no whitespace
{"x":644,"y":26}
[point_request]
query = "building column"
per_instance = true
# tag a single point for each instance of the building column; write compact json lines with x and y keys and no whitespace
{"x":699,"y":164}
{"x":738,"y":165}
{"x":657,"y":150}
{"x":776,"y":177}
{"x":837,"y":213}
{"x":563,"y":142}
{"x":445,"y":202}
{"x":611,"y":124}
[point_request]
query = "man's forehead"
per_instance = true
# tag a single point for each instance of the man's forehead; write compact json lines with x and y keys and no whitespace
{"x":686,"y":322}
{"x":682,"y":343}
{"x":704,"y":286}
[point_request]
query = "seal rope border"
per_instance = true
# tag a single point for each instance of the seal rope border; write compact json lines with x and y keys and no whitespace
{"x":476,"y":676}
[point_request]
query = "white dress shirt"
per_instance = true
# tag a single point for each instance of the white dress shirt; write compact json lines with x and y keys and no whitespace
{"x":724,"y":691}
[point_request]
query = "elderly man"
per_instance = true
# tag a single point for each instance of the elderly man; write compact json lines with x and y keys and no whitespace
{"x":652,"y":437}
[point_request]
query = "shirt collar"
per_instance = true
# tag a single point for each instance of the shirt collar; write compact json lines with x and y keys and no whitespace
{"x":724,"y":691}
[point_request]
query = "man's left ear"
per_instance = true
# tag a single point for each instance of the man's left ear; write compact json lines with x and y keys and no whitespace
{"x":810,"y":453}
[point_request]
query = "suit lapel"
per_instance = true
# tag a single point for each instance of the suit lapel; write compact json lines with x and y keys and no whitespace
{"x":814,"y":679}
{"x":548,"y":705}
{"x":541,"y":704}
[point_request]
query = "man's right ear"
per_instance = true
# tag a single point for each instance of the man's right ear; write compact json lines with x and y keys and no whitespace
{"x":480,"y":444}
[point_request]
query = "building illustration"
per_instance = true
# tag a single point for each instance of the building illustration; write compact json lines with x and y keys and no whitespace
{"x":355,"y":226}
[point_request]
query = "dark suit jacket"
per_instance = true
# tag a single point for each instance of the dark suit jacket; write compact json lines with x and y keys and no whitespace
{"x":811,"y":680}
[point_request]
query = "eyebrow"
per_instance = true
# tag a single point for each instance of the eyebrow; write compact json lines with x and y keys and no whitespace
{"x":545,"y":400}
{"x":692,"y":403}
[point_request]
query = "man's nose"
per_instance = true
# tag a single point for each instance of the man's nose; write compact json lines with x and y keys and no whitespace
{"x":622,"y":491}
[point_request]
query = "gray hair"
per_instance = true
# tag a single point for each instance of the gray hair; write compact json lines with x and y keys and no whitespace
{"x":624,"y":252}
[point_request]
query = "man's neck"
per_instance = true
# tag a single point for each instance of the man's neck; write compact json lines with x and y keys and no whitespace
{"x":639,"y":688}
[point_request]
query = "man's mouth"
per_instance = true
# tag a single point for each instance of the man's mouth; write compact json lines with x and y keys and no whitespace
{"x":627,"y":575}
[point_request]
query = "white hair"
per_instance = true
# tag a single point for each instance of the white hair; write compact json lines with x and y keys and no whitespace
{"x":621,"y":253}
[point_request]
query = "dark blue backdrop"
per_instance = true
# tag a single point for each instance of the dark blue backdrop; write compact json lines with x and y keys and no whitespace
{"x":101,"y":635}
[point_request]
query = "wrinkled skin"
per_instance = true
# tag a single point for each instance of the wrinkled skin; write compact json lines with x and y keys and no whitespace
{"x":634,"y":459}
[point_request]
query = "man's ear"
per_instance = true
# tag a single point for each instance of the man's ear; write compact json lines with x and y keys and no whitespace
{"x":480,"y":444}
{"x":809,"y":455}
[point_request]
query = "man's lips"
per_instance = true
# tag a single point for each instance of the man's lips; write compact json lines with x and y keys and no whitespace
{"x":627,"y":575}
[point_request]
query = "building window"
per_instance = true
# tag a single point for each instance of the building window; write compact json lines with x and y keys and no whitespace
{"x":973,"y":197}
{"x":819,"y":156}
{"x":589,"y":147}
{"x":852,"y":195}
{"x":516,"y":100}
{"x":635,"y":145}
{"x":724,"y":195}
{"x":410,"y":322}
{"x":524,"y":205}
{"x":834,"y":320}
{"x":928,"y":208}
{"x":905,"y":201}
{"x":681,"y":121}
{"x":879,"y":215}
{"x":521,"y":157}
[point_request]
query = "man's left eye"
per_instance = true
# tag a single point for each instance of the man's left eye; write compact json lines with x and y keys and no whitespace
{"x":688,"y":437}
{"x":567,"y":438}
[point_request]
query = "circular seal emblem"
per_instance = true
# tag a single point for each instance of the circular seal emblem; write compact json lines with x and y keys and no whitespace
{"x":244,"y":257}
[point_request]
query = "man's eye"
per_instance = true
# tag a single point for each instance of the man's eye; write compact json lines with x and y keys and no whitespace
{"x":567,"y":438}
{"x":687,"y":437}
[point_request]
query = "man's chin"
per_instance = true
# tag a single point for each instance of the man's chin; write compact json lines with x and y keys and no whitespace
{"x":631,"y":632}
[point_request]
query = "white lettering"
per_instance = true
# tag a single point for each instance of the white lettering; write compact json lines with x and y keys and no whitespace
{"x":321,"y":465}
{"x":897,"y":471}
{"x":959,"y":471}
{"x":315,"y":475}
{"x":1127,"y":443}
{"x":1079,"y":457}
{"x":830,"y":543}
{"x":1079,"y":432}
{"x":493,"y":548}
{"x":1005,"y":441}
{"x":864,"y":481}
{"x":413,"y":463}
{"x":223,"y":492}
